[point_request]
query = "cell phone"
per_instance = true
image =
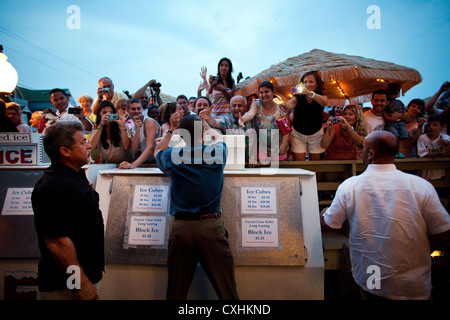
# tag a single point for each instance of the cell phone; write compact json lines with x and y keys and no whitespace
{"x":419,"y":114}
{"x":74,"y":111}
{"x":114,"y":116}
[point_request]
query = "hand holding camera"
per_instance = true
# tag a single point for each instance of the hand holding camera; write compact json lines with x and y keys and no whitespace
{"x":175,"y":119}
{"x":101,"y":92}
{"x":215,"y":84}
{"x":113,"y":116}
{"x":77,"y":112}
{"x":334,"y":119}
{"x":74,"y":110}
{"x":299,"y":89}
{"x":421,"y":121}
{"x":138,"y":121}
{"x":108,"y":117}
{"x":104,"y":119}
{"x":344,"y":123}
{"x":155,"y":85}
{"x":213,"y":80}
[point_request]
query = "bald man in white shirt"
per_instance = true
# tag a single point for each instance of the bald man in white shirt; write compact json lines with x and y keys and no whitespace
{"x":394,"y":220}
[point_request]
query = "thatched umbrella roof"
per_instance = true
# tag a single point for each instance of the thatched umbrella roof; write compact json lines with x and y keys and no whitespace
{"x":346,"y":77}
{"x":167,"y":98}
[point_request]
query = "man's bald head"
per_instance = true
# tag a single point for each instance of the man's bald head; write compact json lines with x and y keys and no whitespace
{"x":380,"y":147}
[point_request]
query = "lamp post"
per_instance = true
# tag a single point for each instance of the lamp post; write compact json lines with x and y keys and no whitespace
{"x":8,"y":76}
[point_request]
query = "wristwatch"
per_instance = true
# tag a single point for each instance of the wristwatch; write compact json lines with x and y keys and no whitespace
{"x":170,"y":131}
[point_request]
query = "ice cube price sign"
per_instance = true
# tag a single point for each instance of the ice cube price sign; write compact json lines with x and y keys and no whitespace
{"x":258,"y":200}
{"x":150,"y":198}
{"x":18,"y":202}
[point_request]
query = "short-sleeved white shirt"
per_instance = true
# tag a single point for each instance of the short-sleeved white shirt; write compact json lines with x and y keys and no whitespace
{"x":424,"y":146}
{"x":390,"y":215}
{"x":376,"y":122}
{"x":66,"y":116}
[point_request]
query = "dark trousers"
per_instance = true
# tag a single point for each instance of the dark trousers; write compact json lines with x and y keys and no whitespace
{"x":204,"y":241}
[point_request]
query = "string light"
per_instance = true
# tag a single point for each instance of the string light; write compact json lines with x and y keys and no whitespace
{"x":340,"y":89}
{"x":437,"y":253}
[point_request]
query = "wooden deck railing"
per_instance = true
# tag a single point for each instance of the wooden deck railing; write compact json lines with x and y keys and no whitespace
{"x":331,"y":173}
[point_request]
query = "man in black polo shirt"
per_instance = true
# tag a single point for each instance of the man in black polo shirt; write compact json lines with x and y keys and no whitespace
{"x":67,"y":218}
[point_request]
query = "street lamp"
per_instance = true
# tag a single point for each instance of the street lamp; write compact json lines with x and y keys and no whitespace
{"x":8,"y":76}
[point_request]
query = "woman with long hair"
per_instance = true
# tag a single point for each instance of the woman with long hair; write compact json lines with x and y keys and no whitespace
{"x":308,"y":105}
{"x":221,"y":88}
{"x":167,"y":110}
{"x":111,"y":136}
{"x":345,"y":134}
{"x":266,"y":111}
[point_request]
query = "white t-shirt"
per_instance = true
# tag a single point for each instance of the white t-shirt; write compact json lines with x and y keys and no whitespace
{"x":390,"y":215}
{"x":66,"y":116}
{"x":425,"y":146}
{"x":376,"y":122}
{"x":23,"y":128}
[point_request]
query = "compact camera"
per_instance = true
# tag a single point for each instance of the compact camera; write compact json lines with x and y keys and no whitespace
{"x":105,"y":90}
{"x":156,"y":85}
{"x":114,"y":116}
{"x":74,"y":110}
{"x":334,"y":119}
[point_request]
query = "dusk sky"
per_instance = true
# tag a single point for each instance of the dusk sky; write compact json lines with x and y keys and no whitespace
{"x":51,"y":45}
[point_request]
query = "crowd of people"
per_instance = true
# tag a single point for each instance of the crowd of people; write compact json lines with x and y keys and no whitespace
{"x":131,"y":131}
{"x":395,"y":218}
{"x":129,"y":128}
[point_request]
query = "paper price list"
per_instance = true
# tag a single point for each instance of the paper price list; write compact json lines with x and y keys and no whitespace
{"x":18,"y":202}
{"x":150,"y":198}
{"x":259,"y":200}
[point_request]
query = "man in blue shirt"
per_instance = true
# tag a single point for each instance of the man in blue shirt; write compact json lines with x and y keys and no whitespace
{"x":197,"y":234}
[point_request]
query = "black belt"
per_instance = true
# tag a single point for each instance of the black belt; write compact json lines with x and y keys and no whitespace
{"x":197,"y":216}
